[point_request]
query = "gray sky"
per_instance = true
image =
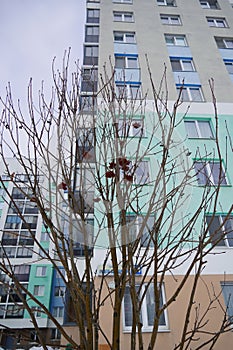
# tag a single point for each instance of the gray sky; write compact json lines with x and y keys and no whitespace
{"x":32,"y":33}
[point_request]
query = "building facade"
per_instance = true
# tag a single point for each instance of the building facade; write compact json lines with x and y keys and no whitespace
{"x":191,"y":43}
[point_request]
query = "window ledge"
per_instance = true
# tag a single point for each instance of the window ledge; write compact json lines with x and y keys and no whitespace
{"x":214,"y":186}
{"x":202,"y":138}
{"x":126,"y":331}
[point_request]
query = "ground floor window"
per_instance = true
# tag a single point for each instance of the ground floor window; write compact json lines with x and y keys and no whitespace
{"x":147,"y":311}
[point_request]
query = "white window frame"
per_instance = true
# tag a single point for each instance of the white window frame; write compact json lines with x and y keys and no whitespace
{"x":198,"y":129}
{"x":215,"y":22}
{"x":24,"y":252}
{"x":140,"y":176}
{"x":58,"y":311}
{"x":170,"y":19}
{"x":144,"y":312}
{"x":207,"y":177}
{"x":144,"y":178}
{"x":126,"y":62}
{"x":224,"y":42}
{"x":93,"y":13}
{"x":123,"y":16}
{"x":92,"y":30}
{"x":227,"y":291}
{"x":166,"y":3}
{"x":188,"y":92}
{"x":177,"y":39}
{"x":126,"y":128}
{"x":39,"y":290}
{"x":61,"y":291}
{"x":134,"y":224}
{"x":229,"y":64}
{"x":41,"y":271}
{"x":91,"y":51}
{"x":223,"y":224}
{"x":182,"y":62}
{"x":55,"y":334}
{"x":125,"y":36}
{"x":21,"y":269}
{"x":130,"y":91}
{"x":206,"y":5}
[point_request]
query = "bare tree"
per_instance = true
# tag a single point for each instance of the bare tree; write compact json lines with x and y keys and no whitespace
{"x":116,"y":231}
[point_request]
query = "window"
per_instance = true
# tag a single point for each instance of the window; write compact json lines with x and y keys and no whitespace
{"x":227,"y":290}
{"x":14,"y":311}
{"x":93,"y":16}
{"x":182,"y":64}
{"x":85,"y":146}
{"x":133,"y":127}
{"x":34,"y":336}
{"x":59,"y":291}
{"x":124,"y":90}
{"x":23,"y":252}
{"x":22,"y":272}
{"x":44,"y":237}
{"x":89,"y":80}
{"x":30,"y":222}
{"x":123,"y":16}
{"x":87,"y":103}
{"x":190,"y":93}
{"x":8,"y":252}
{"x":91,"y":54}
{"x":229,"y":66}
{"x":21,"y":269}
{"x":55,"y":333}
{"x":124,"y":37}
{"x":92,"y":34}
{"x":82,"y":235}
{"x":136,"y":173}
{"x":175,"y":40}
{"x":217,"y":22}
{"x":43,"y":253}
{"x":36,"y":310}
{"x":2,"y":192}
{"x":39,"y":290}
{"x":142,"y":175}
{"x":224,"y":43}
{"x":210,"y":173}
{"x":41,"y":271}
{"x":126,"y":62}
{"x":12,"y":222}
{"x":198,"y":129}
{"x":170,"y":19}
{"x":147,"y":313}
{"x":58,"y":311}
{"x":166,"y":2}
{"x":132,"y":231}
{"x":221,"y":229}
{"x":5,"y":177}
{"x":209,"y":4}
{"x":148,"y":233}
{"x":18,"y":193}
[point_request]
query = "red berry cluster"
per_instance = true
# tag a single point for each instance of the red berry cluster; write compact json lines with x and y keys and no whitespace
{"x":124,"y":165}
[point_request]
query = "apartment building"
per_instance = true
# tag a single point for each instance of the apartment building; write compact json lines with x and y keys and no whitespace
{"x":191,"y":42}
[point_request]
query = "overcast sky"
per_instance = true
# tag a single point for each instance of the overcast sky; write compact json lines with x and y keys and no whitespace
{"x":32,"y":33}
